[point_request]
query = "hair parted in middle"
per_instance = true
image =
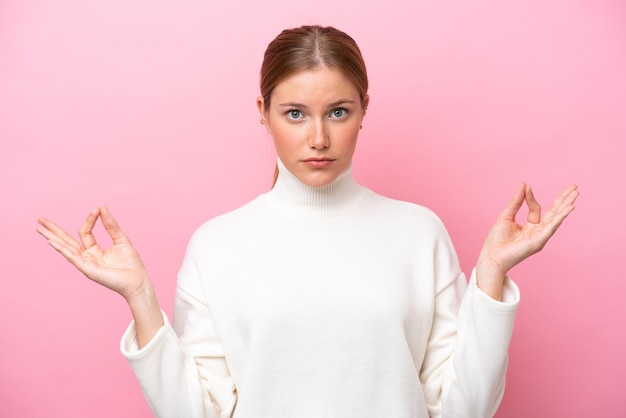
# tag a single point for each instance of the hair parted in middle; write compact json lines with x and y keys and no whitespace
{"x":307,"y":48}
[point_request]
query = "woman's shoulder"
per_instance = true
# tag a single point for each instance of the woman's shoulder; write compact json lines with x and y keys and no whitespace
{"x":403,"y":209}
{"x":238,"y":218}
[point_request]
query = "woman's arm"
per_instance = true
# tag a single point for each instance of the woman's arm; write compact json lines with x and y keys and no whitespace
{"x":118,"y":268}
{"x":181,"y":369}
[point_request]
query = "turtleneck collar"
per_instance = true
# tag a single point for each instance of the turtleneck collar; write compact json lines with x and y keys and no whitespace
{"x":337,"y":197}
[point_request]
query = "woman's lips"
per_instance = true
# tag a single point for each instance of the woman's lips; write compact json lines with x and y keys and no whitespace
{"x":318,"y":162}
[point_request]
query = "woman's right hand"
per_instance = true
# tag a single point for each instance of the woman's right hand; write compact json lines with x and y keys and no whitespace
{"x":118,"y":268}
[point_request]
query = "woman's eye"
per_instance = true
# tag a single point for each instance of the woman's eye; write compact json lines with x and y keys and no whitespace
{"x":294,"y":114}
{"x":339,"y":113}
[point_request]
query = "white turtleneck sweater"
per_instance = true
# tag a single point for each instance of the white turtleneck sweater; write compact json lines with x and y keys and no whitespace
{"x":326,"y":302}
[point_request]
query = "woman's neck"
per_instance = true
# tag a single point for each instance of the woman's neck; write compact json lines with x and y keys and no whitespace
{"x":337,"y":197}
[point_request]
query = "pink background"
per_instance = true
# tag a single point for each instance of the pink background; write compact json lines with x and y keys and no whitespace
{"x":149,"y":107}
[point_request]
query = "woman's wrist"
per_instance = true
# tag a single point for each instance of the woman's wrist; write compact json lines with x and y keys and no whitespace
{"x":146,"y":312}
{"x":490,"y":278}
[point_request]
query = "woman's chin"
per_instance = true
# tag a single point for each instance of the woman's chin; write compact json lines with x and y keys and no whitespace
{"x":317,"y":180}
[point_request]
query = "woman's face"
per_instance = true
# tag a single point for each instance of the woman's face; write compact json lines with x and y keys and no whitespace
{"x":314,"y":117}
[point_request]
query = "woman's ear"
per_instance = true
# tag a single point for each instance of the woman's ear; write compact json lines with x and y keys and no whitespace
{"x":260,"y":104}
{"x":366,"y":103}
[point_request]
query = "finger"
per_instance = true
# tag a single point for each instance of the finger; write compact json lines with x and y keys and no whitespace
{"x":566,"y":196}
{"x":511,"y":209}
{"x":112,"y":227}
{"x":85,"y":232}
{"x":563,"y":205}
{"x":534,"y":209}
{"x":49,"y":229}
{"x":68,"y":252}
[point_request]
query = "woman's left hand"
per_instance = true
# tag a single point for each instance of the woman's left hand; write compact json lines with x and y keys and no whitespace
{"x":509,"y":243}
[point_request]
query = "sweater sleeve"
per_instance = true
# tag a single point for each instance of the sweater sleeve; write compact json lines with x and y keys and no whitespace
{"x":463,"y":372}
{"x":182,"y":370}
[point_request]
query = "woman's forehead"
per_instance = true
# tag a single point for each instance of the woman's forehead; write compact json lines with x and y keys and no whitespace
{"x":323,"y":83}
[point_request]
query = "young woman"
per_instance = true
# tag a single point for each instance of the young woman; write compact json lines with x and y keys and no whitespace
{"x":320,"y":298}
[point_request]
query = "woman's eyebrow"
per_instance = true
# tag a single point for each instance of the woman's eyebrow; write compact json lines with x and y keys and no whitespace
{"x":341,"y":102}
{"x":303,"y":106}
{"x":293,"y":104}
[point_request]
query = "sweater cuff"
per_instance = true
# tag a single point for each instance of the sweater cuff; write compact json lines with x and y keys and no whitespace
{"x":510,"y":295}
{"x":129,"y":346}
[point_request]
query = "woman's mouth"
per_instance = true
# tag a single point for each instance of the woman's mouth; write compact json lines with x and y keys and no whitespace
{"x":318,"y":162}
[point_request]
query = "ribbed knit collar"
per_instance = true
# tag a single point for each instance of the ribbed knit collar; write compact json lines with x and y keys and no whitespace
{"x":339,"y":196}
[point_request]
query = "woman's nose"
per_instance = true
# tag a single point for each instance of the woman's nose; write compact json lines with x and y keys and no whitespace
{"x":318,"y":137}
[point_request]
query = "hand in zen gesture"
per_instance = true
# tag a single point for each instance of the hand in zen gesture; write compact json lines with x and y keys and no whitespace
{"x":509,"y":243}
{"x":118,"y":268}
